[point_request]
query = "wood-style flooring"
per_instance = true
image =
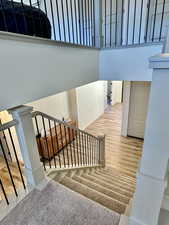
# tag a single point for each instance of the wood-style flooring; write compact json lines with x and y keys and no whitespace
{"x":122,"y":153}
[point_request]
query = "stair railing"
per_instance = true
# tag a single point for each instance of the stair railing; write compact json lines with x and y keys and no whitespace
{"x":9,"y":183}
{"x":62,"y":145}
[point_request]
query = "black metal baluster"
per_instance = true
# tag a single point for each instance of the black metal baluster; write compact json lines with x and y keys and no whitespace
{"x":116,"y":23}
{"x":65,"y":133}
{"x":154,"y":22}
{"x":76,"y":22}
{"x":162,"y":19}
{"x":110,"y":23}
{"x":147,"y":22}
{"x":63,"y":18}
{"x":74,"y":148}
{"x":14,"y":15}
{"x":32,"y":17}
{"x":83,"y":23}
{"x":94,"y":23}
{"x":79,"y":16}
{"x":4,"y":193}
{"x":58,"y":20}
{"x":128,"y":17}
{"x":79,"y":142}
{"x":141,"y":16}
{"x":71,"y":9}
{"x":105,"y":19}
{"x":4,"y":15}
{"x":85,"y":14}
{"x":60,"y":125}
{"x":134,"y":21}
{"x":46,"y":11}
{"x":68,"y":25}
{"x":40,"y":19}
{"x":39,"y":139}
{"x":84,"y":148}
{"x":53,"y":21}
{"x":51,"y":136}
{"x":89,"y":22}
{"x":24,"y":18}
{"x":16,"y":157}
{"x":70,"y":144}
{"x":9,"y":170}
{"x":6,"y":143}
{"x":122,"y":13}
{"x":57,"y":143}
{"x":78,"y":148}
{"x":44,"y":127}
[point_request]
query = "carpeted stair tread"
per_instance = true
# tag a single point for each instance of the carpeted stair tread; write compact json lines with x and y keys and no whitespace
{"x":94,"y":195}
{"x":116,"y":179}
{"x":124,"y":171}
{"x":113,"y":182}
{"x":108,"y":185}
{"x":124,"y":178}
{"x":112,"y":170}
{"x":102,"y":189}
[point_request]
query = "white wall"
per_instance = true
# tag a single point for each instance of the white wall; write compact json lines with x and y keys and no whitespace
{"x":116,"y":92}
{"x":56,"y":105}
{"x":127,"y":63}
{"x":31,"y":70}
{"x":90,"y":102}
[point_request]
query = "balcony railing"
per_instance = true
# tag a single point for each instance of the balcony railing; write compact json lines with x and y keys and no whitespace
{"x":124,"y":22}
{"x":134,"y":22}
{"x":70,"y":21}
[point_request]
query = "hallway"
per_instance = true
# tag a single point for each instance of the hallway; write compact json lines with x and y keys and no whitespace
{"x":122,"y":153}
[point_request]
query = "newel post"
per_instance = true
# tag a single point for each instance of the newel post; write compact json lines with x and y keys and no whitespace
{"x":26,"y":136}
{"x":102,"y":159}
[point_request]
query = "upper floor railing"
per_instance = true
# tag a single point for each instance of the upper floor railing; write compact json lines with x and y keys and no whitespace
{"x":70,"y":21}
{"x":134,"y":22}
{"x":117,"y":23}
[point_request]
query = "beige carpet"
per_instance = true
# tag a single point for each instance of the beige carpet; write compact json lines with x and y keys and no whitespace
{"x":57,"y":205}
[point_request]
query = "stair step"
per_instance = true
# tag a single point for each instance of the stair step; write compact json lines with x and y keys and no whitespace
{"x":114,"y":182}
{"x":112,"y":187}
{"x":124,"y":171}
{"x":113,"y":172}
{"x":102,"y":189}
{"x":94,"y":195}
{"x":117,"y":179}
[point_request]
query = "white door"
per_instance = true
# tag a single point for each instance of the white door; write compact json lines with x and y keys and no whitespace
{"x":138,"y":107}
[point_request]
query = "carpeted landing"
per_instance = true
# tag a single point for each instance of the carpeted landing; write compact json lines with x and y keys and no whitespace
{"x":57,"y":205}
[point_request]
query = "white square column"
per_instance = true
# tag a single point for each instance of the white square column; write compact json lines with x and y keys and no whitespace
{"x":26,"y":136}
{"x":151,"y":180}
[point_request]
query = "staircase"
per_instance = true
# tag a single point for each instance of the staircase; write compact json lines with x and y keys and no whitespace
{"x":105,"y":186}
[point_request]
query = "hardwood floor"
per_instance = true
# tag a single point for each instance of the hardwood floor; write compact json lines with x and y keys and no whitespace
{"x":122,"y":153}
{"x":4,"y":176}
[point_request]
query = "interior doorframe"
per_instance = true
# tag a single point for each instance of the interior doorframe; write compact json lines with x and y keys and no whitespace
{"x":126,"y":108}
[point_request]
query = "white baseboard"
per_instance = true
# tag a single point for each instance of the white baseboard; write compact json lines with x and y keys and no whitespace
{"x":124,"y":220}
